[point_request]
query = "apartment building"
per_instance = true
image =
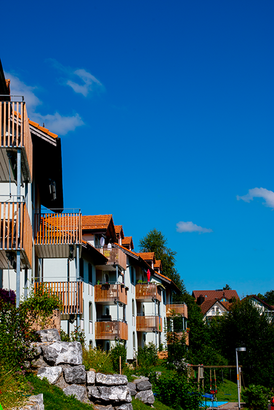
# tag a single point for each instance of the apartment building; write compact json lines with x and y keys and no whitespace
{"x":107,"y":289}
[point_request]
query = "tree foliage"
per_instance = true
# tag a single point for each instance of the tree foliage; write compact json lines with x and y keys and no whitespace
{"x":155,"y":242}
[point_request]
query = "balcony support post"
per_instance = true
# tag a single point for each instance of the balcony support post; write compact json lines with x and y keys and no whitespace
{"x":18,"y":262}
{"x":77,"y":280}
{"x":117,"y":273}
{"x":26,"y":283}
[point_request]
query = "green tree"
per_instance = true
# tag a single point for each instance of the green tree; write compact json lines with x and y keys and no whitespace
{"x":269,"y":297}
{"x":155,"y":242}
{"x":244,"y":325}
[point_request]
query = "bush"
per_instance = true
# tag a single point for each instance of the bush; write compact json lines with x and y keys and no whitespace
{"x":147,"y":357}
{"x":8,"y":296}
{"x":177,"y":392}
{"x":116,"y":352}
{"x":16,"y":336}
{"x":256,"y":397}
{"x":98,"y":360}
{"x":77,"y":335}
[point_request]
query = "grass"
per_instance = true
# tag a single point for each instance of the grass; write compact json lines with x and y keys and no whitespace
{"x":54,"y":398}
{"x":227,"y":391}
{"x":139,"y":405}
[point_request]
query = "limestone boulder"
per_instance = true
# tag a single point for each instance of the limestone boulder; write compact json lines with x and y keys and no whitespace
{"x":52,"y":374}
{"x":111,"y":379}
{"x":145,"y":396}
{"x":143,"y":385}
{"x":49,"y":335}
{"x":126,"y":406}
{"x":63,"y":353}
{"x":78,"y":391}
{"x":75,"y":374}
{"x":114,"y":394}
{"x":132,"y":388}
{"x":90,"y":377}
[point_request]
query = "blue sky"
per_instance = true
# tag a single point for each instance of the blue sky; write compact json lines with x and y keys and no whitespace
{"x":165,"y":111}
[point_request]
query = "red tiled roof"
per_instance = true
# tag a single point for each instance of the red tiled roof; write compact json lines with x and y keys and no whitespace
{"x":215,"y":294}
{"x":127,"y":241}
{"x":36,"y":125}
{"x":96,"y":221}
{"x":43,"y":129}
{"x":119,"y":230}
{"x":207,"y":304}
{"x":147,"y":256}
{"x":158,"y":264}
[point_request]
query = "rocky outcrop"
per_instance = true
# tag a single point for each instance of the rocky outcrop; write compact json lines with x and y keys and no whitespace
{"x":61,"y":364}
{"x":33,"y":403}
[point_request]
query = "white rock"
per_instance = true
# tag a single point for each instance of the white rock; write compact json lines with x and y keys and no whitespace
{"x":52,"y":374}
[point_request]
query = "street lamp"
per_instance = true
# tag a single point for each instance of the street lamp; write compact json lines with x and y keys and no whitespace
{"x":239,"y":349}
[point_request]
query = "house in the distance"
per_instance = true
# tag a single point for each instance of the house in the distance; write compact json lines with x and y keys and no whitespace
{"x":214,"y":302}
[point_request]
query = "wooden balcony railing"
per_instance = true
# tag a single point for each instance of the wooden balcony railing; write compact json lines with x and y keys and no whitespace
{"x":149,"y":324}
{"x":15,"y":133}
{"x":176,"y":336}
{"x":147,"y":291}
{"x":110,"y":293}
{"x":176,"y":309}
{"x":70,"y":294}
{"x":55,"y":232}
{"x":15,"y":233}
{"x":115,"y":256}
{"x":111,"y":330}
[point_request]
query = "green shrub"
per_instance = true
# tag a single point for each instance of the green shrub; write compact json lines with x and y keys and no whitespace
{"x":15,"y":336}
{"x":116,"y":352}
{"x":256,"y":397}
{"x":77,"y":335}
{"x":147,"y":357}
{"x":177,"y":392}
{"x":98,"y":359}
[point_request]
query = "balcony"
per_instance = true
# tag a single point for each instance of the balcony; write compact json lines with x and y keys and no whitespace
{"x":172,"y":336}
{"x":55,"y":234}
{"x":176,"y":309}
{"x":14,"y":134}
{"x":111,"y":330}
{"x":115,"y":257}
{"x":149,"y":324}
{"x":110,"y":294}
{"x":147,"y":292}
{"x":15,"y":234}
{"x":70,"y":294}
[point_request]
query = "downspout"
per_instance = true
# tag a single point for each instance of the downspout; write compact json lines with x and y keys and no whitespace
{"x":78,"y":283}
{"x":18,"y":253}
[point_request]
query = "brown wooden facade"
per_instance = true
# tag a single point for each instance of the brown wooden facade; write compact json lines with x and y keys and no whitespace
{"x":115,"y":257}
{"x":110,"y":293}
{"x":15,"y":233}
{"x":55,"y":232}
{"x":14,"y":134}
{"x":70,"y":294}
{"x":176,"y":309}
{"x":149,"y":324}
{"x":147,"y":292}
{"x":111,"y":330}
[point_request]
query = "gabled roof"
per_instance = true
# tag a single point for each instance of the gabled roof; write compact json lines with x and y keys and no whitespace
{"x":119,"y":231}
{"x":43,"y":129}
{"x":97,"y":257}
{"x":215,"y":294}
{"x":158,"y":264}
{"x":261,"y":301}
{"x":147,"y":256}
{"x":127,"y":241}
{"x":207,"y":304}
{"x":94,"y":222}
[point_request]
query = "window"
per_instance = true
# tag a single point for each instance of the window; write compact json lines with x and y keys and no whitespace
{"x":90,"y":311}
{"x":89,"y":273}
{"x":133,"y":308}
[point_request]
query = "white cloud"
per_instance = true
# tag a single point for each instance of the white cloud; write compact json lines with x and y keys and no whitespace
{"x":57,"y":123}
{"x":191,"y":227}
{"x":267,"y":195}
{"x":81,"y":81}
